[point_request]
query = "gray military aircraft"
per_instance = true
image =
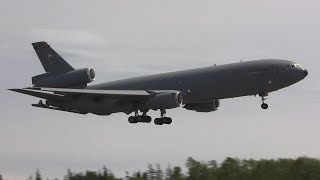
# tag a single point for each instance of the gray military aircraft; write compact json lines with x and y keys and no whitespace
{"x":65,"y":88}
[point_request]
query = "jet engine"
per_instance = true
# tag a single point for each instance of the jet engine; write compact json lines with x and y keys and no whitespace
{"x":75,"y":78}
{"x":165,"y":101}
{"x":204,"y":106}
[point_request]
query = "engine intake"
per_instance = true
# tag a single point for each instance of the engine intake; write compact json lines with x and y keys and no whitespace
{"x":165,"y":101}
{"x":78,"y":77}
{"x":204,"y":106}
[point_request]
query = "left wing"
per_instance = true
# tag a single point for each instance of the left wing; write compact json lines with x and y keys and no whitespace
{"x":95,"y":91}
{"x":62,"y":98}
{"x":61,"y":93}
{"x":105,"y":92}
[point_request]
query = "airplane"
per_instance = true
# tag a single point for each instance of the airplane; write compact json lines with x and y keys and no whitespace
{"x":66,"y":89}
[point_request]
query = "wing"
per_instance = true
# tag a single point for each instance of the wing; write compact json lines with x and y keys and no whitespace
{"x":66,"y":93}
{"x":63,"y":98}
{"x":95,"y":91}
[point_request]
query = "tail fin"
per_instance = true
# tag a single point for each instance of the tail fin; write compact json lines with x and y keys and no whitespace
{"x":51,"y":61}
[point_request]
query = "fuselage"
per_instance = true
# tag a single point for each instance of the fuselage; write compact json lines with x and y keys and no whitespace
{"x":66,"y":89}
{"x":218,"y":82}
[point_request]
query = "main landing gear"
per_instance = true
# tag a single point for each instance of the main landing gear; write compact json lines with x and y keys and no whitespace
{"x":140,"y":118}
{"x":147,"y":119}
{"x":163,"y":119}
{"x":263,"y":98}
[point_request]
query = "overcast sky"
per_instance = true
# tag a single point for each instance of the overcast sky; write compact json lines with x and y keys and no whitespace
{"x":122,"y":39}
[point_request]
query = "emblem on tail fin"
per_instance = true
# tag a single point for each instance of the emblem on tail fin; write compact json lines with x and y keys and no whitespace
{"x":52,"y":59}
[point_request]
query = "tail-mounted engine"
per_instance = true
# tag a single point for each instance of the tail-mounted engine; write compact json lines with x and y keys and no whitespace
{"x":75,"y":78}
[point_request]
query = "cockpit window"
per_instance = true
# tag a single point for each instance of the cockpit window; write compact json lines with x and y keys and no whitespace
{"x":292,"y":66}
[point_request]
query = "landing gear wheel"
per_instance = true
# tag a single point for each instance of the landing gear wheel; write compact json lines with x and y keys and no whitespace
{"x":163,"y":119}
{"x":167,"y":120}
{"x":158,"y":121}
{"x":146,"y":119}
{"x":132,"y":119}
{"x":264,"y":106}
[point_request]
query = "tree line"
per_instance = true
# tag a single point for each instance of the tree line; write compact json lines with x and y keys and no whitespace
{"x":302,"y":168}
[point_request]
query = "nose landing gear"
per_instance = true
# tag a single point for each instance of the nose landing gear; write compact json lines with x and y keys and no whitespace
{"x":263,"y":98}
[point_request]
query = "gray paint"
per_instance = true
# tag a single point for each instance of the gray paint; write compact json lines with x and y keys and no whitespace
{"x":217,"y":82}
{"x":51,"y":61}
{"x":121,"y":40}
{"x":196,"y":85}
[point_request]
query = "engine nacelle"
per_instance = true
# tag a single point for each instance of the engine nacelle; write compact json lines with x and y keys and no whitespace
{"x":165,"y":101}
{"x":204,"y":106}
{"x":78,"y":77}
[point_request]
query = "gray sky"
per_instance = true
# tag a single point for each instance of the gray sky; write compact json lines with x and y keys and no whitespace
{"x":122,"y":39}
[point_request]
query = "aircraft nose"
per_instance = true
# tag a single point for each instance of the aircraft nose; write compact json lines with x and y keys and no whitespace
{"x":306,"y":72}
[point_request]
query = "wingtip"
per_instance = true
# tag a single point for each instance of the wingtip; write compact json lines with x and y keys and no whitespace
{"x":15,"y":90}
{"x":18,"y":89}
{"x":11,"y":89}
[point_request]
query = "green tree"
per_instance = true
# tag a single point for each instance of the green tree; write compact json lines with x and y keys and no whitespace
{"x":197,"y":170}
{"x":302,"y":168}
{"x":138,"y":176}
{"x":107,"y":174}
{"x":177,"y":174}
{"x":230,"y":169}
{"x":91,"y":175}
{"x":193,"y":169}
{"x":151,"y":172}
{"x":168,"y":173}
{"x":212,"y":170}
{"x":38,"y":175}
{"x":159,"y":173}
{"x":68,"y":175}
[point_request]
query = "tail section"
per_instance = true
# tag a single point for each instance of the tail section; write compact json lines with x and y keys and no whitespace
{"x":58,"y":72}
{"x":51,"y":61}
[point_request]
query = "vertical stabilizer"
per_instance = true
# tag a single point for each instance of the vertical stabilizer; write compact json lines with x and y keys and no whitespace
{"x":51,"y":61}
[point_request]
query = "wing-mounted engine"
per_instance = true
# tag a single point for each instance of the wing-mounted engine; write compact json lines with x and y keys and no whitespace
{"x":167,"y":100}
{"x":204,"y":106}
{"x":75,"y":78}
